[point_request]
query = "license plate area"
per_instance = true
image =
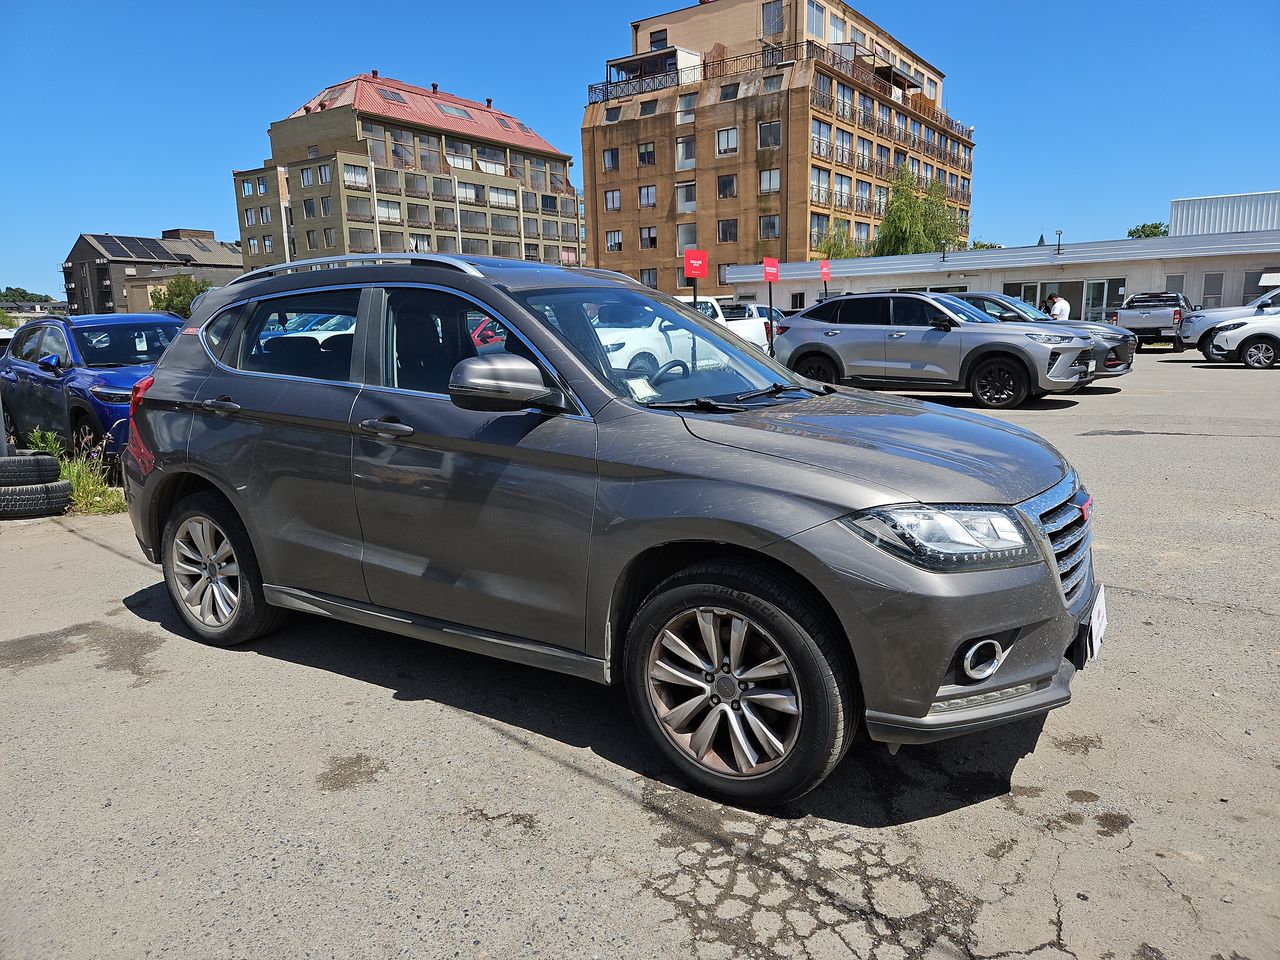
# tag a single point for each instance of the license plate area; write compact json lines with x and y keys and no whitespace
{"x":1098,"y":624}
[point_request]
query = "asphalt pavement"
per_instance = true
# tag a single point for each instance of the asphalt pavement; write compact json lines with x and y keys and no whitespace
{"x":331,"y":791}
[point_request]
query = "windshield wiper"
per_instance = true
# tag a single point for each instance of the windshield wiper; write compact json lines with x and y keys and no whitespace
{"x":105,"y":363}
{"x":705,"y":404}
{"x":776,"y":388}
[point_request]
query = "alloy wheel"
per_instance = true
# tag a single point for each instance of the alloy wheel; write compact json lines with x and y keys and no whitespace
{"x":724,"y":692}
{"x":996,"y":385}
{"x":1260,"y":355}
{"x":816,"y":370}
{"x":206,"y":571}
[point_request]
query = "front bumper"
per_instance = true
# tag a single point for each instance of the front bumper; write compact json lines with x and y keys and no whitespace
{"x":1065,"y":367}
{"x":1220,"y":351}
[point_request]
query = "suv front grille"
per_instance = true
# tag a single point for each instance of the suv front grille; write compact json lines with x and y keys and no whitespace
{"x":1061,"y":515}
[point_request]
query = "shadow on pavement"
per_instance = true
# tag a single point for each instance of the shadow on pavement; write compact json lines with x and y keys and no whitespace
{"x":869,"y":789}
{"x":965,"y":402}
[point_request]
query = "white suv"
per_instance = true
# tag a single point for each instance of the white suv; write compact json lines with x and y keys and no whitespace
{"x":1255,"y":343}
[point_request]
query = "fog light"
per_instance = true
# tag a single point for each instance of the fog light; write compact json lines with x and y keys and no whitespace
{"x":978,"y":699}
{"x":983,"y":659}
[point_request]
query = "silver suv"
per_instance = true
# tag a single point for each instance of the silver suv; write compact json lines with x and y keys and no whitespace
{"x":935,"y":342}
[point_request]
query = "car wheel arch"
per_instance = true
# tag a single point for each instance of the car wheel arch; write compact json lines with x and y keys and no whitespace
{"x":177,"y":485}
{"x":997,"y":350}
{"x":810,"y":349}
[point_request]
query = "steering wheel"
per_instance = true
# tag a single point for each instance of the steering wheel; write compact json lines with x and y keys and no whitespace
{"x":666,"y":369}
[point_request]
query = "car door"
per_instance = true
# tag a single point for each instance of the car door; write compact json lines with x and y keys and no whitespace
{"x":914,"y":349}
{"x":476,"y":519}
{"x":273,"y":420}
{"x":17,"y":386}
{"x":858,"y":335}
{"x":48,"y":384}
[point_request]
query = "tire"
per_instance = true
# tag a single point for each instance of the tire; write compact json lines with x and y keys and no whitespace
{"x":645,"y":364}
{"x":36,"y":468}
{"x":1179,"y":346}
{"x":10,"y":429}
{"x":85,"y":434}
{"x":1259,"y":353}
{"x":1000,"y":383}
{"x":815,"y":366}
{"x":815,"y":668}
{"x":35,"y":500}
{"x":250,"y":616}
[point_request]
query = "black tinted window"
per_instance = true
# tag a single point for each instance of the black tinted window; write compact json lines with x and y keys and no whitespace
{"x":26,"y":345}
{"x":827,"y":312}
{"x":306,"y":335}
{"x":865,"y":310}
{"x":219,"y":331}
{"x":429,"y":332}
{"x":910,"y":312}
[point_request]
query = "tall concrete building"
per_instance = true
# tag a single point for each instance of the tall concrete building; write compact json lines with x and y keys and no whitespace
{"x":757,"y":129}
{"x":375,"y":165}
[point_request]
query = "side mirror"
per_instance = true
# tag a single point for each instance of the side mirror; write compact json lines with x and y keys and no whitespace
{"x":1197,"y":308}
{"x":940,"y":323}
{"x":1009,"y":317}
{"x":1262,"y":305}
{"x":501,"y":383}
{"x":666,"y":326}
{"x":49,"y":362}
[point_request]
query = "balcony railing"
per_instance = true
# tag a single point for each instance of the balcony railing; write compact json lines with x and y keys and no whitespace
{"x":445,"y":225}
{"x":819,"y":195}
{"x":362,"y":185}
{"x":820,"y":148}
{"x":360,"y":217}
{"x":442,"y":196}
{"x":818,"y":237}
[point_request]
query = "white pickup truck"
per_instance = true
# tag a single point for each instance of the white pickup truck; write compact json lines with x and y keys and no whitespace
{"x":745,"y":320}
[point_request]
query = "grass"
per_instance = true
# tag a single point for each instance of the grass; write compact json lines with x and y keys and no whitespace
{"x":92,"y":491}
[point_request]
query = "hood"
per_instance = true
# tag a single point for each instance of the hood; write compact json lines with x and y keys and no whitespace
{"x":121,"y":378}
{"x":913,"y":450}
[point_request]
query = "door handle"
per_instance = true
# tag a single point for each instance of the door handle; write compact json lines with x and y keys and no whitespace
{"x":221,"y":405}
{"x":831,"y":333}
{"x":386,"y":428}
{"x":897,"y":335}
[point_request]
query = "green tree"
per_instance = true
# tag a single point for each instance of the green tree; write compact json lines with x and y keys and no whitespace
{"x":176,"y":295}
{"x":983,"y":245}
{"x":839,"y":245}
{"x":1144,"y":230}
{"x":902,"y":230}
{"x":941,"y":223}
{"x":7,"y":321}
{"x":19,"y":295}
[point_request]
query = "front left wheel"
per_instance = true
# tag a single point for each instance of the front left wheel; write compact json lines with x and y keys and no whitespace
{"x":1000,"y":383}
{"x":740,"y":684}
{"x":212,"y":573}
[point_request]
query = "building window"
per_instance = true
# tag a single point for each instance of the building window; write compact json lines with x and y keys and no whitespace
{"x":253,"y":246}
{"x":311,"y":239}
{"x":649,"y":196}
{"x":308,"y":209}
{"x":797,"y":301}
{"x":684,"y":109}
{"x":729,"y":92}
{"x":727,"y":142}
{"x":649,"y":277}
{"x":816,"y":20}
{"x":453,"y":111}
{"x":330,"y":237}
{"x":502,"y":197}
{"x":769,"y":227}
{"x":686,"y":236}
{"x":388,"y":211}
{"x":613,"y":241}
{"x":723,"y":272}
{"x":549,"y":205}
{"x":645,"y":155}
{"x":475,"y":247}
{"x":681,"y":279}
{"x":648,"y":238}
{"x":1212,"y":291}
{"x":313,"y":152}
{"x":447,"y":243}
{"x":727,"y":186}
{"x":246,"y":188}
{"x":658,"y":40}
{"x":267,"y":244}
{"x":727,"y":231}
{"x":771,"y":18}
{"x":770,"y":181}
{"x":837,"y":30}
{"x":250,"y":217}
{"x":326,"y":172}
{"x":686,"y":153}
{"x":773,"y":84}
{"x":612,"y":114}
{"x":307,"y":176}
{"x":611,"y":159}
{"x":770,"y":134}
{"x":687,"y":196}
{"x":613,"y":199}
{"x":419,"y":243}
{"x":326,"y":206}
{"x":931,"y":89}
{"x":648,"y":108}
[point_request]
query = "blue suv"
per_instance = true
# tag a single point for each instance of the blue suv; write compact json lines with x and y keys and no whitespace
{"x":74,"y":376}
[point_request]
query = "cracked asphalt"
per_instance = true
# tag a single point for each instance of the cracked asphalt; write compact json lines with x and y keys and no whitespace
{"x":334,"y":792}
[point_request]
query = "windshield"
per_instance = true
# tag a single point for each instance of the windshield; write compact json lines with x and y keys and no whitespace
{"x":1025,"y":309}
{"x":124,"y":344}
{"x":966,"y":311}
{"x":652,"y":349}
{"x":1273,"y":296}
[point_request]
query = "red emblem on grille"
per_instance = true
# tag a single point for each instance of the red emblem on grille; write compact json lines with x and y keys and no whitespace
{"x":1086,"y":507}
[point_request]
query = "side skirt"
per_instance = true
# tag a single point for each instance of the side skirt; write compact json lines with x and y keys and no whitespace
{"x":447,"y":634}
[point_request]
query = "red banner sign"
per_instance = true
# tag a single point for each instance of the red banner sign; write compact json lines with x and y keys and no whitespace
{"x":770,"y":270}
{"x":695,"y":264}
{"x":824,"y":270}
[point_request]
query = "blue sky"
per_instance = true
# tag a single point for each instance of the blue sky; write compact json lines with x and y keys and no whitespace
{"x":128,"y":117}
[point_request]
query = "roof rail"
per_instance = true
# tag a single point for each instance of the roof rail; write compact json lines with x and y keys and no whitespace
{"x":607,"y":275}
{"x":363,"y":259}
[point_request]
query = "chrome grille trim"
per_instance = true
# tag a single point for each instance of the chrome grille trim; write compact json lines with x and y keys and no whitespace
{"x":1066,"y":534}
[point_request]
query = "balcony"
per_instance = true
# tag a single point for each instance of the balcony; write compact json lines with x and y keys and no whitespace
{"x":360,"y":217}
{"x":419,"y":194}
{"x":361,"y":185}
{"x":820,"y":195}
{"x":472,"y":201}
{"x":441,"y":196}
{"x":419,"y":224}
{"x":820,"y":148}
{"x":445,"y":227}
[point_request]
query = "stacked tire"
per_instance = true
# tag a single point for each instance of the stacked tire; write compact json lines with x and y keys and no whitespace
{"x":29,"y":485}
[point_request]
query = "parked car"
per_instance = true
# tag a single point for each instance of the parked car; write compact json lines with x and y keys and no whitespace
{"x":6,"y":335}
{"x":1114,"y":347}
{"x":74,"y":376}
{"x":1197,"y":328}
{"x":1255,"y":343}
{"x":766,"y":564}
{"x":1154,"y":317}
{"x":753,"y":328}
{"x":934,"y":342}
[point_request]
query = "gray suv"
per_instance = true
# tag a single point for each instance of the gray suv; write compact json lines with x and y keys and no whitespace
{"x":766,"y":564}
{"x":934,"y":342}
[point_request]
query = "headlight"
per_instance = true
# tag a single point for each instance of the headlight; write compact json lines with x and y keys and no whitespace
{"x":948,"y":538}
{"x":613,"y":347}
{"x":1195,"y":316}
{"x":1049,"y":337}
{"x":110,"y":394}
{"x":1229,"y":326}
{"x":1113,"y":337}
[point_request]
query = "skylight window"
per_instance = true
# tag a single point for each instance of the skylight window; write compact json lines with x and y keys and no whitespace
{"x":391,"y":96}
{"x":454,"y":111}
{"x":503,"y":121}
{"x":524,"y":129}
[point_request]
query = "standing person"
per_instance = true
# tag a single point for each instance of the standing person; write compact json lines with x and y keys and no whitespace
{"x":1059,"y":309}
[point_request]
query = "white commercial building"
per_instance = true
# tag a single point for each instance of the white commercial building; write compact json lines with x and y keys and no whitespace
{"x":1215,"y":269}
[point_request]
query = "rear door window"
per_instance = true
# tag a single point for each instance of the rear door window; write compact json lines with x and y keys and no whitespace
{"x":306,"y":335}
{"x":911,"y":312}
{"x":865,"y":311}
{"x":826,"y":312}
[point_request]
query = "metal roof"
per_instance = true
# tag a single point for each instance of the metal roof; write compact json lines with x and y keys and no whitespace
{"x":1228,"y":213}
{"x":1009,"y":258}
